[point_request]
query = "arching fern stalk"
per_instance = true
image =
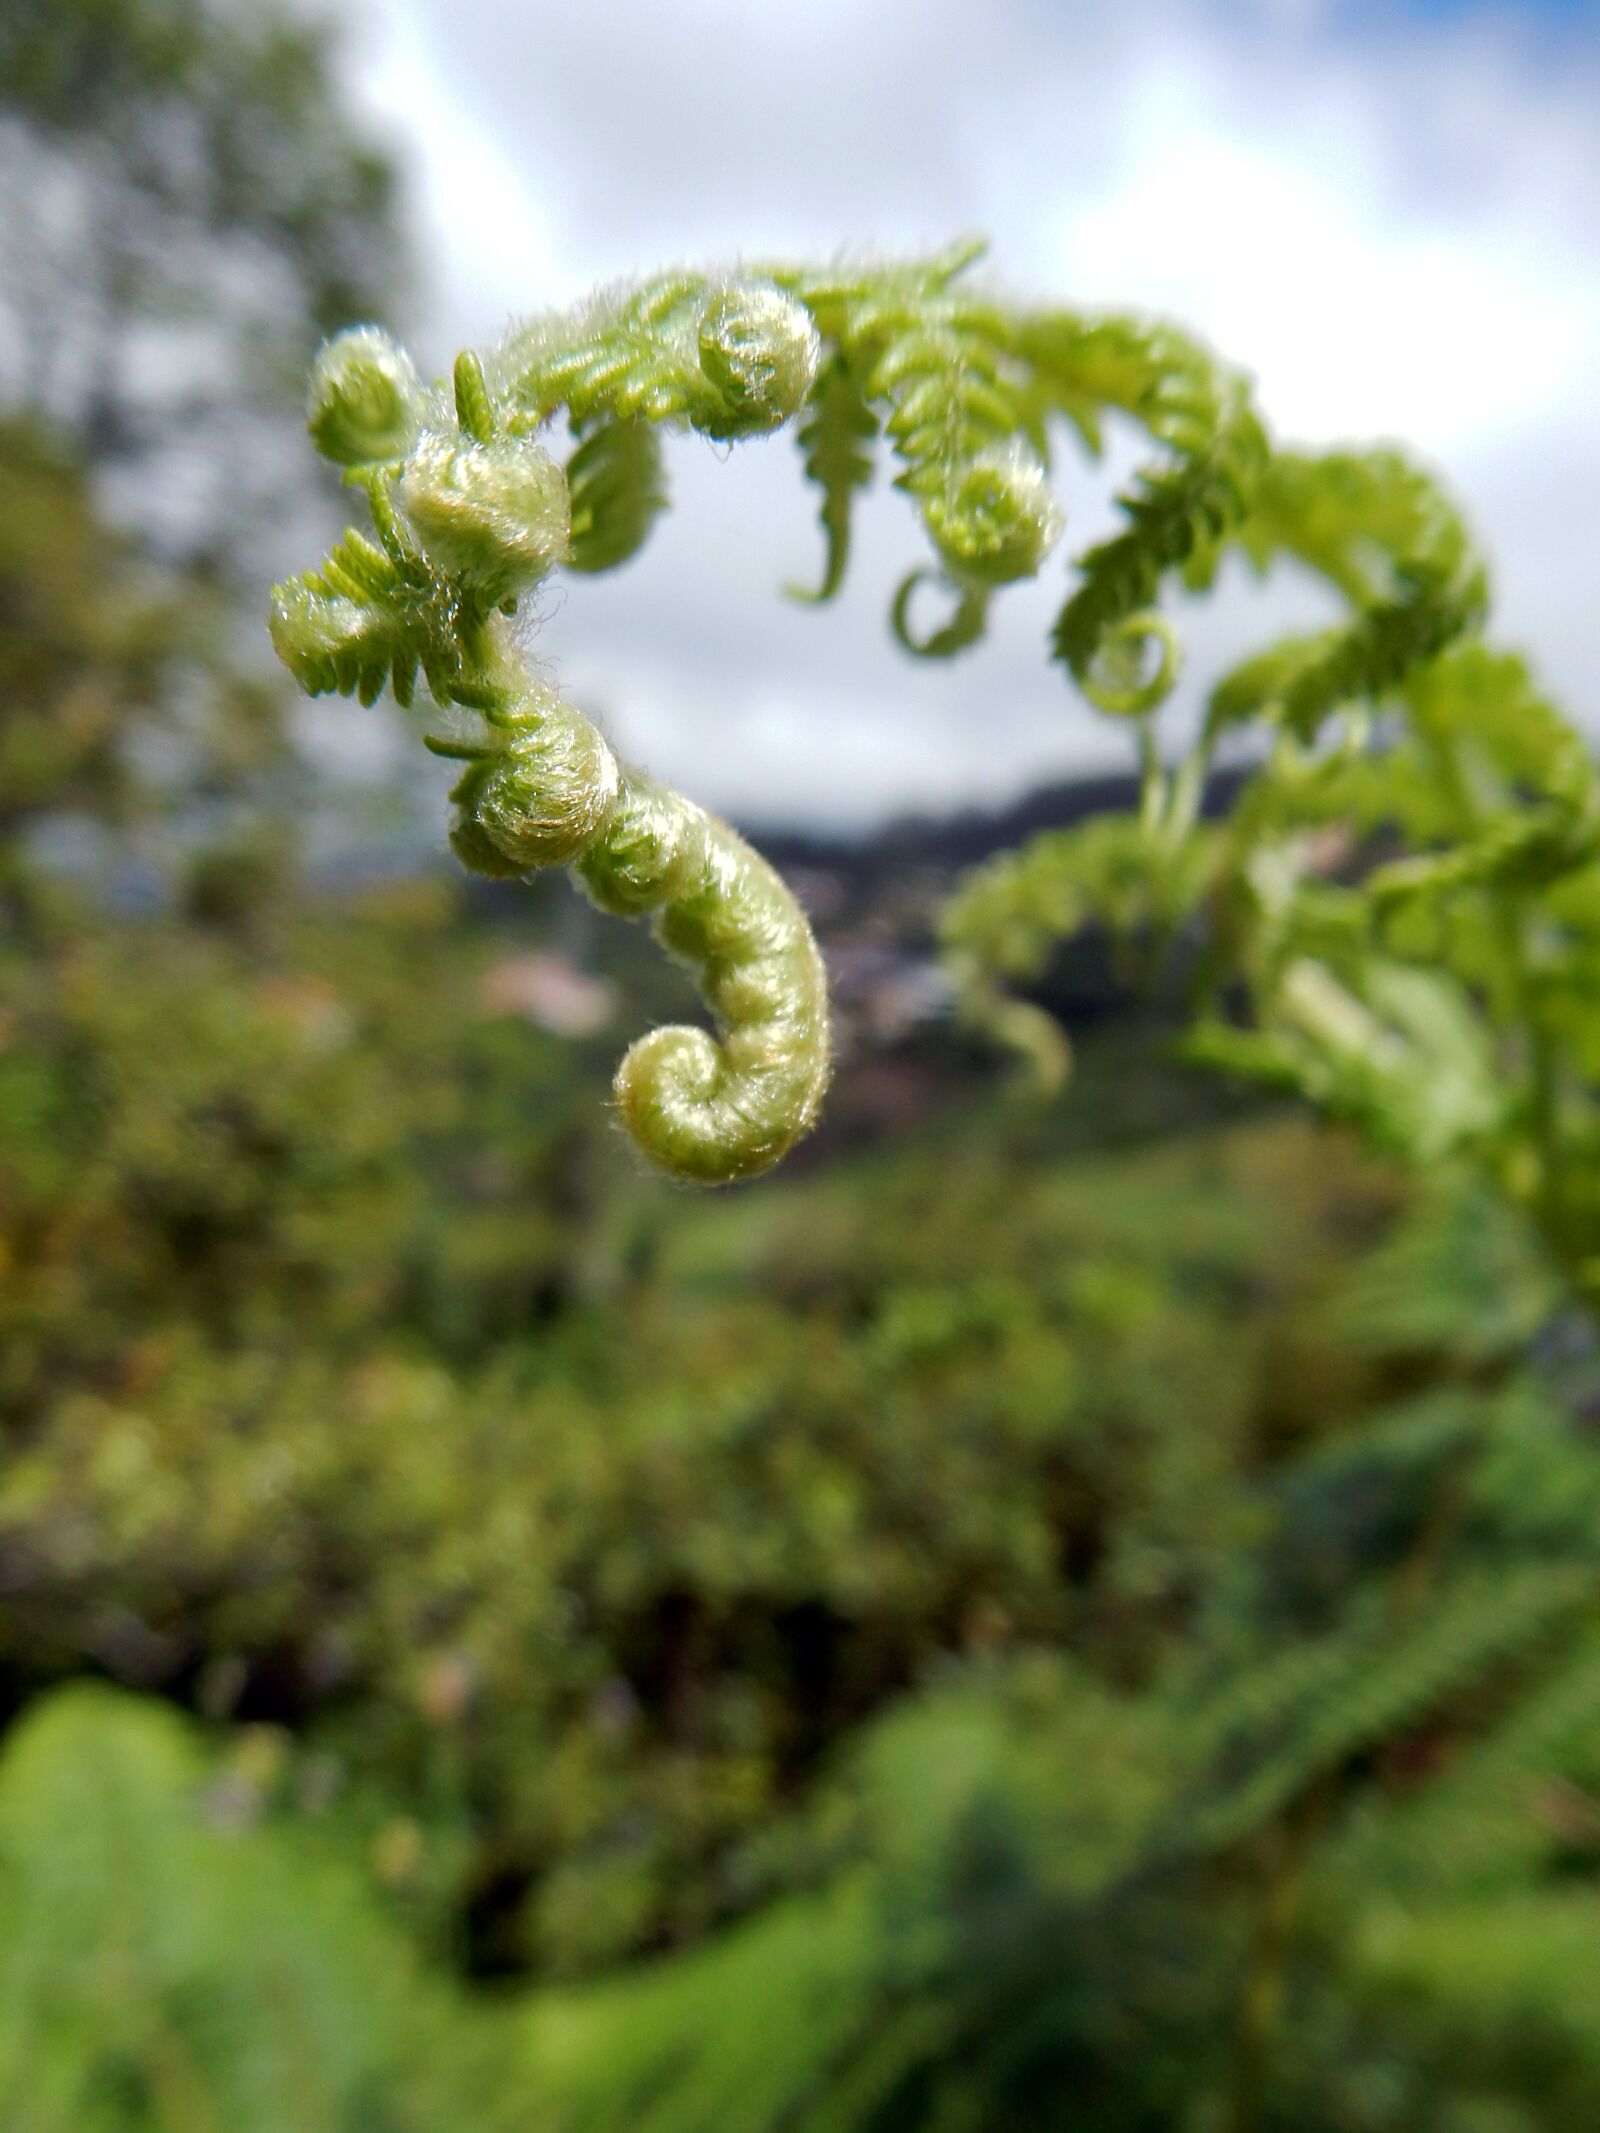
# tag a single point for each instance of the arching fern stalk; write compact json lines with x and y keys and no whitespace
{"x":969,"y":395}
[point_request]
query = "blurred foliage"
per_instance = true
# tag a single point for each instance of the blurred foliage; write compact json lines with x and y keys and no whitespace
{"x":114,"y":668}
{"x":184,"y":208}
{"x":86,"y":643}
{"x":1042,"y":1928}
{"x":188,"y":207}
{"x":1075,"y":1617}
{"x":1326,"y":1862}
{"x":351,"y":1375}
{"x":1111,"y":1626}
{"x":168,"y":1966}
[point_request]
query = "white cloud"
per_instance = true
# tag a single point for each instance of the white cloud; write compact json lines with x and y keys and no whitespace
{"x":1400,"y":237}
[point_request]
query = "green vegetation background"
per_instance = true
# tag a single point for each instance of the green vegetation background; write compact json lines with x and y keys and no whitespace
{"x":1070,"y":1618}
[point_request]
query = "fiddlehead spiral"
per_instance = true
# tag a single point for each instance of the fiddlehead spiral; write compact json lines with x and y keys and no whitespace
{"x":366,"y":400}
{"x":491,"y":516}
{"x":962,"y":414}
{"x":472,"y":513}
{"x":732,"y":357}
{"x":547,"y":791}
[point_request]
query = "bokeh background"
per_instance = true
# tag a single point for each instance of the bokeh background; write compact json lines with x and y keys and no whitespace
{"x":1034,"y":1616}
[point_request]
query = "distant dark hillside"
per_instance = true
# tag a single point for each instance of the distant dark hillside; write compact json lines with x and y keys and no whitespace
{"x":947,"y":844}
{"x":875,"y":901}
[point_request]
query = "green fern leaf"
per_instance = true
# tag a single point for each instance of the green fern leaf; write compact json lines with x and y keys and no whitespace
{"x":835,"y":448}
{"x":1180,"y":514}
{"x":618,"y":489}
{"x":1388,"y":538}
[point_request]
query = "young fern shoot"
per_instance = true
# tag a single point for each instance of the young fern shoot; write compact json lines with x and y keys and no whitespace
{"x":471,"y":511}
{"x":1395,"y":998}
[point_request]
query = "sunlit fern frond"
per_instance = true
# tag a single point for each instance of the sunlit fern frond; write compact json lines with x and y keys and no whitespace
{"x":732,"y":356}
{"x":364,"y":619}
{"x":1439,"y":744}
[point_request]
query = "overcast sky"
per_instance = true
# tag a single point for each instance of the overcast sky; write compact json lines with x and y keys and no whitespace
{"x":1391,"y":215}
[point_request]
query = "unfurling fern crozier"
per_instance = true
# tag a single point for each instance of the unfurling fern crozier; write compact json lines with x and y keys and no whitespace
{"x":545,"y":454}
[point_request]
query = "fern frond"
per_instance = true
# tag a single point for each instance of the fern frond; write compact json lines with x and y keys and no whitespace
{"x":711,"y":2037}
{"x":164,"y":1969}
{"x":1006,"y":917}
{"x":958,"y":410}
{"x":467,"y":520}
{"x":1471,"y":742}
{"x":1484,"y":776}
{"x":617,"y":486}
{"x":1521,"y":851}
{"x":1014,"y":910}
{"x":1488,"y":702}
{"x":837,"y":294}
{"x":1474,"y":1824}
{"x":1397,"y":1049}
{"x":1445,"y":743}
{"x":1180,"y":513}
{"x":732,"y":357}
{"x":355,"y":624}
{"x":1310,"y":1709}
{"x":962,"y":413}
{"x":835,"y":448}
{"x":1385,"y":535}
{"x":627,"y":354}
{"x":964,"y":626}
{"x":365,"y":403}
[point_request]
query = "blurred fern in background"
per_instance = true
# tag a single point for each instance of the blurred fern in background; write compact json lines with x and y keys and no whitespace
{"x":168,"y":1967}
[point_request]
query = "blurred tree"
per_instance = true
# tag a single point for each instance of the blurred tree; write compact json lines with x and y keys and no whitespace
{"x":85,"y":633}
{"x":111,"y":664}
{"x":185,"y":206}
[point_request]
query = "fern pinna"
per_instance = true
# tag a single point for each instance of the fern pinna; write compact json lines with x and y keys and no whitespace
{"x":1398,"y":992}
